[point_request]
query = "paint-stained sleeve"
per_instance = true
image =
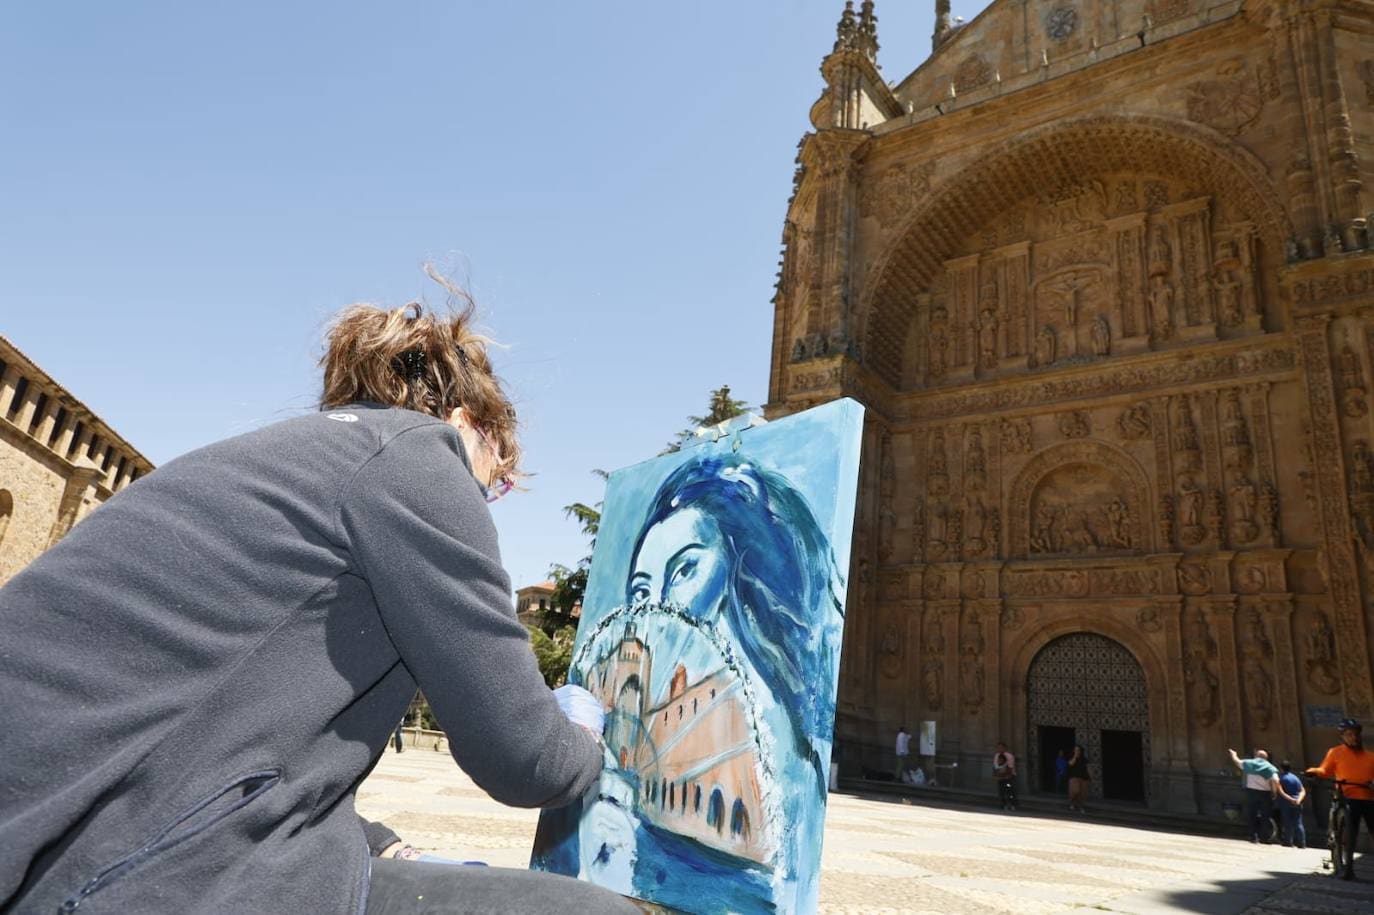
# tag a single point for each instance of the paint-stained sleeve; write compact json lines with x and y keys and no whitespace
{"x":419,"y":531}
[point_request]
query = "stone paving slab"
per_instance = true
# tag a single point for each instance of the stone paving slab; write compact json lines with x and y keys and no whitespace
{"x":895,"y":856}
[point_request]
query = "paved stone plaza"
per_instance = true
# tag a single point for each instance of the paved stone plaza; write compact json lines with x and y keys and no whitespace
{"x":889,"y":856}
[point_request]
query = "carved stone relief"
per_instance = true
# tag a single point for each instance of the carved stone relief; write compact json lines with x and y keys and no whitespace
{"x":1257,"y":658}
{"x":1320,"y":664}
{"x":890,"y":195}
{"x":1134,"y":422}
{"x":1230,"y":101}
{"x":1074,"y":424}
{"x":1016,"y":436}
{"x":1199,"y":667}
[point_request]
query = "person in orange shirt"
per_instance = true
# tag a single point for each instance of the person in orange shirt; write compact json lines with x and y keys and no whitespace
{"x":1350,"y":762}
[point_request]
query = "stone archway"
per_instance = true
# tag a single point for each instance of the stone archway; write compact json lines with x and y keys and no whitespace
{"x":1115,"y":525}
{"x":1088,"y":689}
{"x":1054,"y":156}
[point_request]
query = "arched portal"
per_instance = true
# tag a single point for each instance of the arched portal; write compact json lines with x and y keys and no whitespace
{"x":1057,"y":162}
{"x":1087,"y":689}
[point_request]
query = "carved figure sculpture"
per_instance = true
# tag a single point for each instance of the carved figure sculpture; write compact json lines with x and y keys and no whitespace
{"x":1161,"y":306}
{"x":971,"y":682}
{"x":987,"y":338}
{"x":939,"y":353}
{"x":1135,"y":422}
{"x":975,"y":460}
{"x":1228,"y":298}
{"x":1148,"y":619}
{"x":1119,"y":524}
{"x":1353,"y":402}
{"x":932,"y":683}
{"x":1160,"y":253}
{"x":891,"y":651}
{"x":1016,"y":436}
{"x":1259,"y":692}
{"x":1044,"y":537}
{"x":1362,"y":468}
{"x":1101,"y":336}
{"x":887,"y":525}
{"x":1190,"y":509}
{"x":1045,"y":346}
{"x":1321,"y":656}
{"x":1244,"y":503}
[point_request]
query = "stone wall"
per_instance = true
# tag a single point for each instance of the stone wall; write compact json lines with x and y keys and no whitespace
{"x":1113,"y":319}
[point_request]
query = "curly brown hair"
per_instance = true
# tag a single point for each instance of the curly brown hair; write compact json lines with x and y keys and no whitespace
{"x":371,"y":352}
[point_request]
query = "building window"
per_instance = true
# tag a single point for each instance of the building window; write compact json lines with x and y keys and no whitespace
{"x":91,"y":448}
{"x":20,"y":390}
{"x":739,"y":820}
{"x":713,"y":692}
{"x":672,"y":796}
{"x":696,"y":798}
{"x":6,"y":510}
{"x":694,"y":706}
{"x":109,"y":457}
{"x":38,"y":408}
{"x":679,"y":713}
{"x":57,"y":425}
{"x":77,"y":430}
{"x":715,"y":811}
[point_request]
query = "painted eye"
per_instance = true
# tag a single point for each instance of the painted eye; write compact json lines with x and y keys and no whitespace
{"x":640,"y":592}
{"x":684,"y":571}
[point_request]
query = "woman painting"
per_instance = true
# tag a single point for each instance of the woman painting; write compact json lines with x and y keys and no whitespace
{"x":197,"y":678}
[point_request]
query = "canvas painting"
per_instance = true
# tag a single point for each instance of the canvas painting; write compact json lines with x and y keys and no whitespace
{"x":711,"y":632}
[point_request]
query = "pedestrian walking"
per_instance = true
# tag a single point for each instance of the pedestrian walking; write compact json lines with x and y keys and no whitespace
{"x":1261,"y":781}
{"x":1292,"y":792}
{"x":1077,"y":773}
{"x":396,"y":738}
{"x":1004,"y":770}
{"x":903,"y":749}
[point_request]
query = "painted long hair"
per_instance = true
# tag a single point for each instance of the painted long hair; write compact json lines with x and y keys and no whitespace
{"x":782,"y":586}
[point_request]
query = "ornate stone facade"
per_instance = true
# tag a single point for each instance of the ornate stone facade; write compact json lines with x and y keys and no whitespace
{"x":57,"y":461}
{"x":1111,"y":308}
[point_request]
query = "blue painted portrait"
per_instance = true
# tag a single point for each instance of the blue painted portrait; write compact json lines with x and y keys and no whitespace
{"x":711,"y":633}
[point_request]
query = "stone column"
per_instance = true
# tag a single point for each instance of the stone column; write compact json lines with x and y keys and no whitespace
{"x":9,"y":382}
{"x":1279,"y":613}
{"x":82,"y":482}
{"x":1017,"y":295}
{"x":963,"y":314}
{"x":835,"y":154}
{"x":46,"y":421}
{"x":1342,"y":570}
{"x":1179,"y":794}
{"x":1127,"y":235}
{"x":27,"y":408}
{"x":1191,"y":220}
{"x":1222,"y":610}
{"x":64,"y":441}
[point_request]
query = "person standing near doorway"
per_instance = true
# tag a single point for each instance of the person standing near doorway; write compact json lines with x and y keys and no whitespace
{"x":1004,"y":770}
{"x":1061,"y":771}
{"x":1292,"y":793}
{"x":1261,"y":789}
{"x":903,"y":749}
{"x":396,"y":737}
{"x":1078,"y":778}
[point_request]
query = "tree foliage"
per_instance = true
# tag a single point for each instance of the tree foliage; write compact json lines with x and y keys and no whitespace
{"x":553,"y":653}
{"x":720,"y":408}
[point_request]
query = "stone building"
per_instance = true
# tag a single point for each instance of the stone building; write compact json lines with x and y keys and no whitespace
{"x":57,"y":461}
{"x":1101,"y":273}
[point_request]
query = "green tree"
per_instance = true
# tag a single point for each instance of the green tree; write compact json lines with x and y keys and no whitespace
{"x":720,"y":408}
{"x":553,"y":653}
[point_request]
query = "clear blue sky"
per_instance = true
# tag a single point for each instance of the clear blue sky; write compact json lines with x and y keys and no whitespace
{"x":190,"y":191}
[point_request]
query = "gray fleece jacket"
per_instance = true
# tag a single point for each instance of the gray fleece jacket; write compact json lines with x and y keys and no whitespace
{"x":193,"y":682}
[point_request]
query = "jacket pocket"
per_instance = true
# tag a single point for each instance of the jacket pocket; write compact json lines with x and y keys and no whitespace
{"x":197,"y":818}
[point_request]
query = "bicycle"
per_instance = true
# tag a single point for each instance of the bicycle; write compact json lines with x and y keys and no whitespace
{"x":1341,"y":862}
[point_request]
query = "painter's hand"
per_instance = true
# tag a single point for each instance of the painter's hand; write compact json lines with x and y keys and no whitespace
{"x":581,"y":707}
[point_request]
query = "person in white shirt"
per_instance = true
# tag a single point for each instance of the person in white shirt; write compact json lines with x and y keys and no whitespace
{"x":903,"y":751}
{"x":1004,"y":770}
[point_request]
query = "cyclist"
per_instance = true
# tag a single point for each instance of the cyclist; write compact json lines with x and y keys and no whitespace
{"x":1351,"y":763}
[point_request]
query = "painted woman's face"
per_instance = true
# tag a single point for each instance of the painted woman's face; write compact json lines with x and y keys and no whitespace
{"x":681,"y":561}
